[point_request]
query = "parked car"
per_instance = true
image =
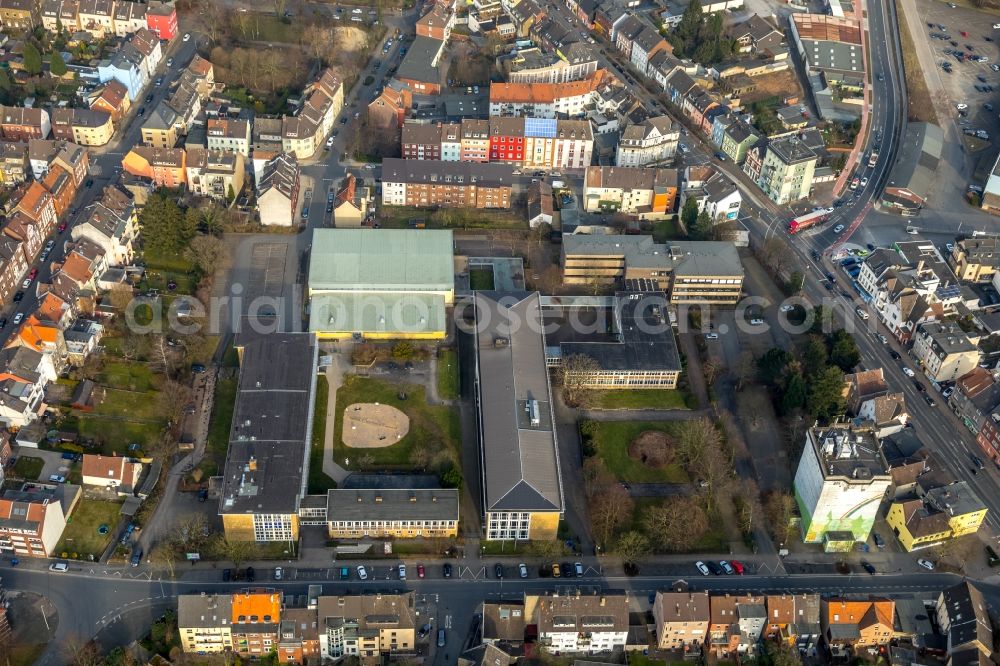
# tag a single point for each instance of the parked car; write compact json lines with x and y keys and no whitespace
{"x":420,"y":571}
{"x":737,"y":566}
{"x":556,"y":573}
{"x":278,"y":573}
{"x":567,"y":570}
{"x":447,"y":570}
{"x":867,"y":566}
{"x":702,"y":568}
{"x":362,"y":572}
{"x":56,"y":478}
{"x":402,"y":572}
{"x":59,"y":567}
{"x":714,"y":568}
{"x":727,"y":567}
{"x":137,"y":558}
{"x":18,"y":317}
{"x":187,"y":36}
{"x":26,"y":283}
{"x":498,"y":571}
{"x":522,"y":568}
{"x":579,"y":569}
{"x":926,"y":564}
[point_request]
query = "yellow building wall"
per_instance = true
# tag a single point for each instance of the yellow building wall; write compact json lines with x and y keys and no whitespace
{"x":544,"y":525}
{"x":344,"y":335}
{"x":238,"y":527}
{"x":967,"y":523}
{"x":896,"y":520}
{"x":221,"y":638}
{"x":401,"y":533}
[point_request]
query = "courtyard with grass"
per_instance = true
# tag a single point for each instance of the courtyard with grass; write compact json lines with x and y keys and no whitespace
{"x":611,"y":441}
{"x":641,"y":399}
{"x":28,"y":467}
{"x":431,"y":444}
{"x":82,"y":536}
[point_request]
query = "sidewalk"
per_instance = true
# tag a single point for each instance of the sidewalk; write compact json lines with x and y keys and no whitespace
{"x":334,"y":377}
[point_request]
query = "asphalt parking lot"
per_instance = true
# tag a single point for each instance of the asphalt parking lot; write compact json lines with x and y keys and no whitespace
{"x":965,"y":75}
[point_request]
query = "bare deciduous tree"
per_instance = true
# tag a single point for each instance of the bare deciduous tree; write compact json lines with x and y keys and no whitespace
{"x":576,"y":373}
{"x":235,"y":551}
{"x":678,"y":524}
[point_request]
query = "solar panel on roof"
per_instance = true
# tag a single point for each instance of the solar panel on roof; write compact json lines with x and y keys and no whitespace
{"x":541,"y":127}
{"x":950,"y":291}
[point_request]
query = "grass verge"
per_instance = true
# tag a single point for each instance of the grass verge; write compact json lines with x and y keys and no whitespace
{"x":921,"y":108}
{"x":319,"y":482}
{"x":447,"y":375}
{"x":222,"y":418}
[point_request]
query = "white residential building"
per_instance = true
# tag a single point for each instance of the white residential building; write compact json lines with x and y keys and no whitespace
{"x":650,"y":142}
{"x":580,"y":623}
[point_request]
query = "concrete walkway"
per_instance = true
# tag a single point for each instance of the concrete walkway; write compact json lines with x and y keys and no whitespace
{"x":335,"y":378}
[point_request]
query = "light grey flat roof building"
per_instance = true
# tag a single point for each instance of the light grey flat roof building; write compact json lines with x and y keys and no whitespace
{"x":522,"y":487}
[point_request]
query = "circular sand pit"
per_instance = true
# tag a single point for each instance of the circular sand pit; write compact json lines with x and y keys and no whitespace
{"x":652,"y":448}
{"x":369,"y":425}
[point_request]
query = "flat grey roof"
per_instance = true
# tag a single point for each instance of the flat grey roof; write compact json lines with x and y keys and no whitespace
{"x":916,"y":163}
{"x":392,"y":504}
{"x":645,"y":337}
{"x":416,"y":64}
{"x":684,"y":258}
{"x":269,"y":442}
{"x":519,"y":456}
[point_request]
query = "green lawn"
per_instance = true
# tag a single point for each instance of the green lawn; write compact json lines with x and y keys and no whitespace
{"x":447,"y":375}
{"x":665,"y":230}
{"x":610,"y":440}
{"x":434,"y":434}
{"x":28,"y":467}
{"x":114,"y":434}
{"x":172,"y":262}
{"x":319,"y":482}
{"x":222,"y":418}
{"x":128,"y":376}
{"x":481,"y":278}
{"x":81,"y":535}
{"x":641,"y":399}
{"x":134,"y":405}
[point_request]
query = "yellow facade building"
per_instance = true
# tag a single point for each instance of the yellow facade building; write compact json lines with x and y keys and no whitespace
{"x":941,"y":514}
{"x":380,"y":284}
